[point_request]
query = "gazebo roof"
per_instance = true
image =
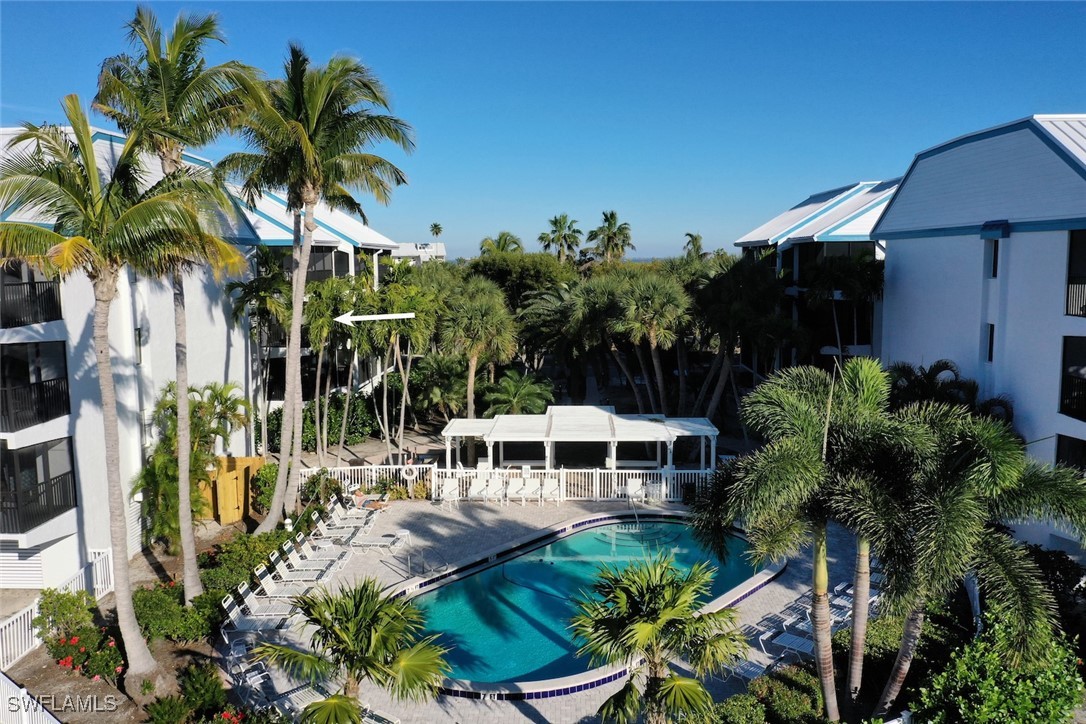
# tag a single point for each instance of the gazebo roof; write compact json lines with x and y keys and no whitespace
{"x":581,"y":423}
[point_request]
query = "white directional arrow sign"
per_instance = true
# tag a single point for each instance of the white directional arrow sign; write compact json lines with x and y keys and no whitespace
{"x":349,"y":319}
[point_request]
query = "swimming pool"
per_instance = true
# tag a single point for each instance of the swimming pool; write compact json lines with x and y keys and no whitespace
{"x":509,"y":622}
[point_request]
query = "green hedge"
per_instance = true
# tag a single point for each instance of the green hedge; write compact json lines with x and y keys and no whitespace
{"x":360,"y":423}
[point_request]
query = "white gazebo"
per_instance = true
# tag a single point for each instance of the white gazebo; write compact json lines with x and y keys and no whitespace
{"x":581,"y":424}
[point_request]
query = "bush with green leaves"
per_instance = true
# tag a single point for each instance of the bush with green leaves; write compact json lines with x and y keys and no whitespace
{"x":231,"y":563}
{"x":162,"y":614}
{"x":89,"y":651}
{"x":980,"y":687}
{"x":62,"y":613}
{"x":262,"y":487}
{"x":168,"y":710}
{"x":738,"y":709}
{"x":321,"y":487}
{"x":360,"y":422}
{"x":202,"y":687}
{"x":790,"y":695}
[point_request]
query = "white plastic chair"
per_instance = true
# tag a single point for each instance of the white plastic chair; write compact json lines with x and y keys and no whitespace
{"x":552,"y":490}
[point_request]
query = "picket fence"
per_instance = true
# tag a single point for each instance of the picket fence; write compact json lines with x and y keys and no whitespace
{"x":17,"y":635}
{"x":19,"y":707}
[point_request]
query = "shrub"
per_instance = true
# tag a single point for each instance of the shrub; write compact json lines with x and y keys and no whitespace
{"x":161,"y":613}
{"x":231,"y":563}
{"x":978,"y":686}
{"x":789,"y":694}
{"x":420,"y":491}
{"x":321,"y":487}
{"x":397,"y":492}
{"x":262,"y":487}
{"x":360,"y":422}
{"x":62,"y":613}
{"x":202,"y":689}
{"x":740,"y":709}
{"x":168,"y":710}
{"x":88,"y":651}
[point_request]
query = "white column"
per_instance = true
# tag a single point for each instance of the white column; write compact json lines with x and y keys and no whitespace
{"x":501,"y":453}
{"x":490,"y":454}
{"x":448,"y":453}
{"x":670,"y":454}
{"x":612,"y":450}
{"x":712,"y":453}
{"x":457,"y":442}
{"x":657,"y":454}
{"x":701,"y":450}
{"x":376,"y":278}
{"x":548,"y":454}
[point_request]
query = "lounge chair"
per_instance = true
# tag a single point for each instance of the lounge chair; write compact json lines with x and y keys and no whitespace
{"x":787,"y":641}
{"x":293,"y":703}
{"x":552,"y":490}
{"x":450,"y":492}
{"x":635,"y":490}
{"x":270,"y":587}
{"x":747,"y":670}
{"x":311,"y":551}
{"x":530,"y":489}
{"x":323,"y":529}
{"x":296,"y":561}
{"x":252,"y":605}
{"x":384,"y":544}
{"x":283,"y":571}
{"x":495,"y":488}
{"x":478,"y":488}
{"x":236,"y":620}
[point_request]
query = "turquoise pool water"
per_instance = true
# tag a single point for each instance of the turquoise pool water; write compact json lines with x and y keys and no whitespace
{"x":510,"y":622}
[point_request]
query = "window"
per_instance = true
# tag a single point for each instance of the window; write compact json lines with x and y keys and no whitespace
{"x":992,"y":253}
{"x":1073,"y":384}
{"x":991,"y":342}
{"x":1071,"y":451}
{"x":1076,"y":274}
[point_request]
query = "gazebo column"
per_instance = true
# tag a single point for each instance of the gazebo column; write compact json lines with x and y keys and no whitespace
{"x":490,"y":454}
{"x":701,"y":451}
{"x":501,"y":453}
{"x":548,"y":454}
{"x":448,"y":453}
{"x":670,"y":454}
{"x":712,"y":452}
{"x":456,"y":441}
{"x":658,"y":461}
{"x":612,"y":454}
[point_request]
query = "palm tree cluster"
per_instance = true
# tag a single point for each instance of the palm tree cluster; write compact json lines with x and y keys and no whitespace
{"x":926,"y":488}
{"x":310,"y":135}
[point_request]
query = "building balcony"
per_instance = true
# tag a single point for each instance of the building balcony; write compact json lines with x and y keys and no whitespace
{"x":25,"y":508}
{"x":27,"y":405}
{"x":1073,"y":397}
{"x":29,"y":303}
{"x":1076,"y":296}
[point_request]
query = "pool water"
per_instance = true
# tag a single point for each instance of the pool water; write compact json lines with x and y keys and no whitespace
{"x":510,"y":622}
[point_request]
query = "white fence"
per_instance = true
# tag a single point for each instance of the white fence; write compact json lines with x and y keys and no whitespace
{"x":17,"y":635}
{"x":19,"y":707}
{"x":574,"y":483}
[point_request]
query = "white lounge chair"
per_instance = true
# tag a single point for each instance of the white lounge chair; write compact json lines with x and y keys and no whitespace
{"x":270,"y":587}
{"x":236,"y":620}
{"x":495,"y":488}
{"x":450,"y":492}
{"x":253,"y":605}
{"x":296,"y":561}
{"x":635,"y":490}
{"x":477,"y":488}
{"x":552,"y":490}
{"x":282,"y":570}
{"x":293,"y":703}
{"x":384,"y":544}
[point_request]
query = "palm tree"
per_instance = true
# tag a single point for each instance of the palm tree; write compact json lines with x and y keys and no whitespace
{"x":858,"y":280}
{"x":312,"y":138}
{"x":443,"y":386}
{"x":693,"y":246}
{"x":655,"y":307}
{"x":596,"y":318}
{"x":265,"y":298}
{"x":942,"y":381}
{"x":104,"y":219}
{"x":478,"y":325}
{"x":505,"y":243}
{"x":167,"y":98}
{"x":362,"y":633}
{"x":612,"y":238}
{"x":564,"y":237}
{"x":325,"y":300}
{"x":518,"y":394}
{"x":435,"y":229}
{"x":646,"y":615}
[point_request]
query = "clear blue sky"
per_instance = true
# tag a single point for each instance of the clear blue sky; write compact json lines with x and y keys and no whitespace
{"x":708,"y":117}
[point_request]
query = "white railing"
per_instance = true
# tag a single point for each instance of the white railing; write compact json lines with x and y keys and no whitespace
{"x":19,"y":707}
{"x":17,"y":635}
{"x":575,"y":483}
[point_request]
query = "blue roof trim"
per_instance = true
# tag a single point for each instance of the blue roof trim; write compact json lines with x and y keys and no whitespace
{"x":320,"y":223}
{"x":121,"y":139}
{"x":857,"y":189}
{"x":847,"y":237}
{"x":1074,"y":223}
{"x":828,"y":234}
{"x":274,"y":222}
{"x":1028,"y":124}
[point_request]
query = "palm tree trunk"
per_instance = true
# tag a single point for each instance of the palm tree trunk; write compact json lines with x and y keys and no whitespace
{"x":324,"y":414}
{"x":861,"y":603}
{"x":621,"y":361}
{"x":384,"y":398}
{"x":658,"y":365}
{"x":714,"y":369}
{"x":718,"y":390}
{"x":191,"y":575}
{"x":263,"y":362}
{"x":473,"y":364}
{"x":820,"y":620}
{"x":683,"y":362}
{"x":837,"y":331}
{"x":291,"y":380}
{"x":405,"y":373}
{"x":140,"y":661}
{"x":655,"y":710}
{"x":294,"y":481}
{"x":646,"y":375}
{"x":346,"y":408}
{"x":317,"y":407}
{"x":914,"y":624}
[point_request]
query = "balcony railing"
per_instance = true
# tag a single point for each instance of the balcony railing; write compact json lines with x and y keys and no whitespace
{"x":26,"y":405}
{"x":24,"y":509}
{"x":29,"y":303}
{"x":1073,"y":397}
{"x":1076,"y":296}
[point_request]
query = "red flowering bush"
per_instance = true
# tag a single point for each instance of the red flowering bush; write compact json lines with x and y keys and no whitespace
{"x":89,"y":651}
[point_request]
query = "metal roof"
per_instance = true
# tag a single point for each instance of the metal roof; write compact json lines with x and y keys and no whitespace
{"x":840,"y":223}
{"x":274,"y":224}
{"x":1068,"y":131}
{"x":581,"y":423}
{"x":781,"y":226}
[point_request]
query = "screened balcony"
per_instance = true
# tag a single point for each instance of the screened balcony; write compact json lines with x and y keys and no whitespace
{"x":27,"y":297}
{"x":37,"y":484}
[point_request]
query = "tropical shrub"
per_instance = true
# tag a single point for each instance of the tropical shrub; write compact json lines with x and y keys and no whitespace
{"x":168,"y":710}
{"x":789,"y":694}
{"x":62,"y":613}
{"x":89,"y":651}
{"x":321,"y":487}
{"x":203,"y":690}
{"x":738,"y":709}
{"x":231,"y":563}
{"x":978,"y":686}
{"x":262,"y":487}
{"x":420,"y":490}
{"x":161,"y":613}
{"x":360,"y":422}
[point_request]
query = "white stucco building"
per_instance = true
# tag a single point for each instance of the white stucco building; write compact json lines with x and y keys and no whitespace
{"x":986,"y":266}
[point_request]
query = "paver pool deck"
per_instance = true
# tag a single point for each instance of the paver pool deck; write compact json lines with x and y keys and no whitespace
{"x":462,"y":533}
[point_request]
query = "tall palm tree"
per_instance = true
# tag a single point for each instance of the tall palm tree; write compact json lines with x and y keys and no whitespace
{"x":654,"y":308}
{"x":564,"y":237}
{"x":596,"y":317}
{"x":858,"y":280}
{"x":435,"y":229}
{"x":324,"y":302}
{"x":361,"y":633}
{"x":265,"y":299}
{"x":478,"y":325}
{"x":167,"y":98}
{"x":942,"y":381}
{"x":312,"y":138}
{"x":506,"y":242}
{"x":645,"y":616}
{"x":693,"y":245}
{"x":611,"y":238}
{"x":104,"y":219}
{"x":518,"y":394}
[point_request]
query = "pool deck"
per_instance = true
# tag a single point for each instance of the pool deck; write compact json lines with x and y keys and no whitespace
{"x":464,"y":533}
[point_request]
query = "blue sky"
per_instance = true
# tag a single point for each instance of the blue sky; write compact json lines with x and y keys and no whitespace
{"x":707,"y":117}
